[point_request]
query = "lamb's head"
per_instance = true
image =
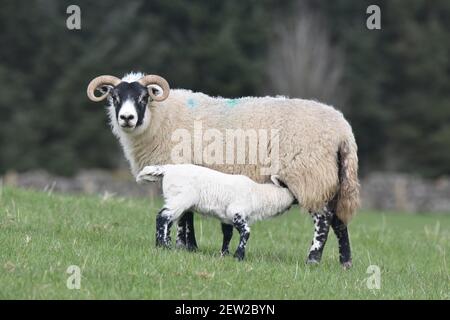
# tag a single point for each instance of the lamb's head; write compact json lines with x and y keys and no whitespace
{"x":129,"y":98}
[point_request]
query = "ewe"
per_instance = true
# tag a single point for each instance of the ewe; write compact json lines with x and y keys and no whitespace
{"x":316,"y":152}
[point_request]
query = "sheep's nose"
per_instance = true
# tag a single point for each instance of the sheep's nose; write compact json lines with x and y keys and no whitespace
{"x":127,"y":117}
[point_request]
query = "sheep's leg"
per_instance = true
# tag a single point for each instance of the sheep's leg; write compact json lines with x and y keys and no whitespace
{"x":227,"y":231}
{"x":244,"y":231}
{"x":163,"y":224}
{"x":322,"y":222}
{"x":341,"y":231}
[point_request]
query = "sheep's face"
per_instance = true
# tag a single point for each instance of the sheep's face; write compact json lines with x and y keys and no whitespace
{"x":130,"y":100}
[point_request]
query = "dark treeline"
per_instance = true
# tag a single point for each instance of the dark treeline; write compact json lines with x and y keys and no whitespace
{"x":392,"y":84}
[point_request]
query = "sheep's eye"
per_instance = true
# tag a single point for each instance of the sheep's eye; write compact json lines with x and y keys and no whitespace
{"x":116,"y":99}
{"x":143,"y":99}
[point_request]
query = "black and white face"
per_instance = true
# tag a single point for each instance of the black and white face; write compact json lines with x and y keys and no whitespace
{"x":130,"y":100}
{"x":130,"y":103}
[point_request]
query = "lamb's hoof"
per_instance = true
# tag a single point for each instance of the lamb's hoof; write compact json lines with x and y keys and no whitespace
{"x":186,"y":246}
{"x":314,"y":258}
{"x":347,"y":265}
{"x":239,"y":255}
{"x":224,"y":253}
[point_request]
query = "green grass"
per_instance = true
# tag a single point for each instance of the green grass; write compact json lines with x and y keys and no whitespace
{"x":112,"y":241}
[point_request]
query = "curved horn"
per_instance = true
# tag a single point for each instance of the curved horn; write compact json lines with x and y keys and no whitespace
{"x":160,"y":81}
{"x":97,"y":82}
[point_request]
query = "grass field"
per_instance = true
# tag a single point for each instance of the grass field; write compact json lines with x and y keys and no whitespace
{"x":112,"y":241}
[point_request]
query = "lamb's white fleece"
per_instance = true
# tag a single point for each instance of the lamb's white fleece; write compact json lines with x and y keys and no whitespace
{"x":210,"y":192}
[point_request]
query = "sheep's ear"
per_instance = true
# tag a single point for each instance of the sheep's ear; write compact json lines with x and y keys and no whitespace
{"x":104,"y":88}
{"x":155,"y":89}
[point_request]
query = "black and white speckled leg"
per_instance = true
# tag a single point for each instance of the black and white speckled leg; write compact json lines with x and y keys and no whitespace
{"x":186,"y":232}
{"x":227,"y":231}
{"x":181,"y":232}
{"x":191,"y":243}
{"x":341,"y":231}
{"x":322,"y":222}
{"x":244,"y":231}
{"x":163,"y":224}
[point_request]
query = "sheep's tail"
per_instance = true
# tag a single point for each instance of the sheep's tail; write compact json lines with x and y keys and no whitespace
{"x":348,"y":194}
{"x":150,"y":173}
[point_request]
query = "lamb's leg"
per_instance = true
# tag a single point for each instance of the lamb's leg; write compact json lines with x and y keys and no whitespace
{"x":191,"y":243}
{"x":322,"y":222}
{"x":163,"y":224}
{"x":186,"y":232}
{"x":181,"y":232}
{"x":244,"y":231}
{"x":227,"y":231}
{"x":341,"y":231}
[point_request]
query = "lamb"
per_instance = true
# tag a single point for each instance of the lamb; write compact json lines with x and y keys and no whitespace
{"x":311,"y":146}
{"x":235,"y":200}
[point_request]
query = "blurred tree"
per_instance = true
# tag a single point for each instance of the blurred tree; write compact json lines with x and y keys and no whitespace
{"x":398,"y":81}
{"x":417,"y":54}
{"x":303,"y":62}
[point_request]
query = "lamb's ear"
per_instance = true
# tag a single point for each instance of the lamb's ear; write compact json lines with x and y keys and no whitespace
{"x":156,"y":90}
{"x":276,"y":181}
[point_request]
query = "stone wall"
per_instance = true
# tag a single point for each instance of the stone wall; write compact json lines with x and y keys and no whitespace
{"x":380,"y":191}
{"x":119,"y":183}
{"x":401,"y":192}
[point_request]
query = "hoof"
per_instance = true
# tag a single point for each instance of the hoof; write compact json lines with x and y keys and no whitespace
{"x":313,"y":258}
{"x":224,"y":253}
{"x":183,"y":246}
{"x":347,"y":265}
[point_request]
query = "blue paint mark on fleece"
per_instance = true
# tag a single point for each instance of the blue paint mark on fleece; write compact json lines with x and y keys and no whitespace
{"x":191,"y":103}
{"x":232,"y":102}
